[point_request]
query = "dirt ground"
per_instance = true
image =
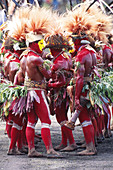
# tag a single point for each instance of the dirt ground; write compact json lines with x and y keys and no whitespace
{"x":102,"y":161}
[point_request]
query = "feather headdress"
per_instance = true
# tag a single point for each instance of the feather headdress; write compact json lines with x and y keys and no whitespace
{"x":93,"y":22}
{"x":78,"y":21}
{"x":104,"y":23}
{"x":17,"y":26}
{"x":40,"y":23}
{"x":56,"y":38}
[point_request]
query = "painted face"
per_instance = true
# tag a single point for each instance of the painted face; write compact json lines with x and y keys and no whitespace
{"x":72,"y":45}
{"x":41,"y":44}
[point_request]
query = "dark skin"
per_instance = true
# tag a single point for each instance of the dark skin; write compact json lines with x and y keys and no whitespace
{"x":13,"y":68}
{"x":33,"y":71}
{"x":30,"y":65}
{"x":86,"y":64}
{"x":33,"y":65}
{"x":11,"y":65}
{"x":10,"y":69}
{"x":107,"y":56}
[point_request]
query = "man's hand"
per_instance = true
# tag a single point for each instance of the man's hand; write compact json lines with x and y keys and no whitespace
{"x":78,"y":107}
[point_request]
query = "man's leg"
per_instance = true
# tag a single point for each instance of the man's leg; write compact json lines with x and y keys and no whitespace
{"x":30,"y":134}
{"x":43,"y":113}
{"x":61,"y":115}
{"x":15,"y":135}
{"x":88,"y":131}
{"x":107,"y":119}
{"x":9,"y":124}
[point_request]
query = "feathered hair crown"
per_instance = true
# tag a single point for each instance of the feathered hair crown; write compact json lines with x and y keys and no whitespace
{"x":56,"y":38}
{"x":39,"y":21}
{"x":104,"y":23}
{"x":93,"y":21}
{"x":17,"y":26}
{"x":78,"y":21}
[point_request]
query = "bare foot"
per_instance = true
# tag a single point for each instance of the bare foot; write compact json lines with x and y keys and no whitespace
{"x":34,"y":153}
{"x":59,"y":147}
{"x":23,"y":150}
{"x":90,"y":150}
{"x":87,"y":152}
{"x":14,"y":152}
{"x":69,"y":148}
{"x":82,"y":146}
{"x":106,"y":134}
{"x":81,"y":142}
{"x":110,"y":134}
{"x":111,"y":127}
{"x":51,"y":153}
{"x":99,"y":139}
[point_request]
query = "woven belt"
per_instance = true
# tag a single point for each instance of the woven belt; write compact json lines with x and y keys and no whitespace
{"x":35,"y":84}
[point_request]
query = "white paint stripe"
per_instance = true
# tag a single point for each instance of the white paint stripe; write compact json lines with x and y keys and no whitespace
{"x":16,"y":126}
{"x":43,"y":95}
{"x":45,"y":125}
{"x":10,"y":123}
{"x":86,"y":123}
{"x":31,"y":125}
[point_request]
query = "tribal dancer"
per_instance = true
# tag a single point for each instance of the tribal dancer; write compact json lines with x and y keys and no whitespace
{"x":80,"y":24}
{"x":97,"y":29}
{"x":102,"y":32}
{"x":61,"y":75}
{"x":33,"y":68}
{"x":15,"y":44}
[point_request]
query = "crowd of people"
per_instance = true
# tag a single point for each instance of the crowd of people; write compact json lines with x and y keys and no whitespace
{"x":50,"y":63}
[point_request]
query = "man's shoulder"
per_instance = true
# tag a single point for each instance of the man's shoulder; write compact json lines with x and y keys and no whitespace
{"x":82,"y":54}
{"x":29,"y":52}
{"x":24,"y":53}
{"x":33,"y":53}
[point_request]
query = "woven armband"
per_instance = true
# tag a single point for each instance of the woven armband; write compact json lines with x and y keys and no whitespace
{"x":41,"y":67}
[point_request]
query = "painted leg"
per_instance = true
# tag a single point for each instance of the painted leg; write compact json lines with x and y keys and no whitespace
{"x":14,"y":137}
{"x":88,"y":131}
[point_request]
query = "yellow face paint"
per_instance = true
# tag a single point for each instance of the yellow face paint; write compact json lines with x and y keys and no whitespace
{"x":72,"y":45}
{"x":41,"y":44}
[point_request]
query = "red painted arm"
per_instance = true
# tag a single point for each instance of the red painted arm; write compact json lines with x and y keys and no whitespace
{"x":19,"y":78}
{"x":59,"y":82}
{"x":79,"y":86}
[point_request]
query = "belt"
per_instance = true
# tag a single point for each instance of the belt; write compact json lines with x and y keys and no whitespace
{"x":35,"y":84}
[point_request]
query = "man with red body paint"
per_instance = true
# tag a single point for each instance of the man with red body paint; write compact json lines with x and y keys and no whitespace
{"x":14,"y":122}
{"x":87,"y":58}
{"x":33,"y":68}
{"x":61,"y":75}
